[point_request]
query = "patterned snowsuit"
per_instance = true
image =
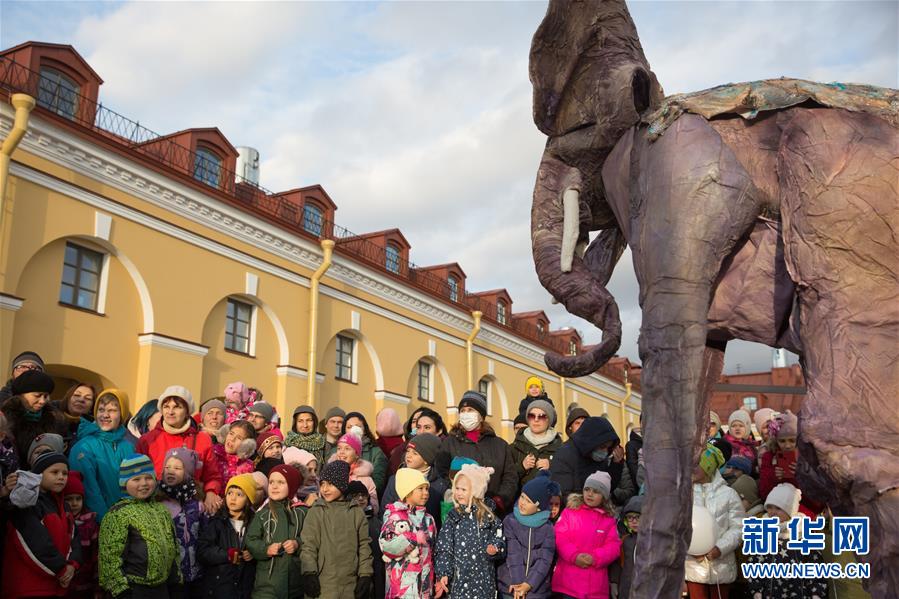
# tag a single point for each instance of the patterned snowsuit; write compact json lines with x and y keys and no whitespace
{"x":407,"y":540}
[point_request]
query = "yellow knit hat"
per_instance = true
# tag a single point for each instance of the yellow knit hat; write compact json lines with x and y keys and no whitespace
{"x":532,"y":380}
{"x":246,"y":483}
{"x":407,"y":480}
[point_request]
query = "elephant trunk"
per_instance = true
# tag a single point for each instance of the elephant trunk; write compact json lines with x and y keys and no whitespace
{"x":558,"y":225}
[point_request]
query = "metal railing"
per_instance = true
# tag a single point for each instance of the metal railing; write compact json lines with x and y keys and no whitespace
{"x":67,"y":105}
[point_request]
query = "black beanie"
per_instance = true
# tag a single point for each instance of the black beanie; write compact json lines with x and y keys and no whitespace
{"x":338,"y":474}
{"x":32,"y":381}
{"x":426,"y":445}
{"x":476,"y":400}
{"x":45,"y":460}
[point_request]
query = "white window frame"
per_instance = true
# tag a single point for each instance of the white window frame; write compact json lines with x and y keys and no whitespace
{"x":453,"y":283}
{"x":390,"y":251}
{"x":488,"y":393}
{"x":354,"y":361}
{"x":430,"y":380}
{"x":501,"y":316}
{"x":251,"y":328}
{"x":102,"y":277}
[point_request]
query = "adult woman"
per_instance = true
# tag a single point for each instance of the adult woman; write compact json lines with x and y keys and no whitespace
{"x":178,"y":429}
{"x":304,"y":433}
{"x":395,"y":459}
{"x":145,"y":420}
{"x":28,"y":411}
{"x":473,"y":438}
{"x":535,"y":445}
{"x":78,"y":402}
{"x":356,"y":424}
{"x":100,"y":449}
{"x":212,"y":417}
{"x":423,"y":420}
{"x":389,"y":429}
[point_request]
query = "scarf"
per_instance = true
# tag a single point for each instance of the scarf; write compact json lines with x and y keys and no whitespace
{"x":541,"y":440}
{"x":534,"y":520}
{"x":176,"y":431}
{"x":182,"y":493}
{"x":311,"y":442}
{"x":34,"y":416}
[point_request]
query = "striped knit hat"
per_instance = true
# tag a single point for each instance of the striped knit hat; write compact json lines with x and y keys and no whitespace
{"x":135,"y":465}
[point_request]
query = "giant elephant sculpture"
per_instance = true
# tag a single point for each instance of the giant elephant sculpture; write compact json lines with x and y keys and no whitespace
{"x":764,"y":211}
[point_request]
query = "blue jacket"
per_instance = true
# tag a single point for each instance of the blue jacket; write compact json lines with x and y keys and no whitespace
{"x":97,"y":455}
{"x":529,"y":557}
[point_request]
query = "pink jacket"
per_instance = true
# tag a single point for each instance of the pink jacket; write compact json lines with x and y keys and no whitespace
{"x":585,"y":530}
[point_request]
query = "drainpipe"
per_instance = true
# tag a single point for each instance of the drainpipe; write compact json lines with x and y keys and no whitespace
{"x":469,"y":343}
{"x":327,"y":250}
{"x":562,"y":389}
{"x":23,"y":103}
{"x":627,"y":396}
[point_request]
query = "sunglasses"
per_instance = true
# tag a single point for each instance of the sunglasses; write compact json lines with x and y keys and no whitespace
{"x":535,"y":416}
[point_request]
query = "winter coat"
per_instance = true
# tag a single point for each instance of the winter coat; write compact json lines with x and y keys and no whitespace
{"x":438,"y":487}
{"x":388,"y":444}
{"x":767,"y":477}
{"x":361,"y":470}
{"x":628,"y":560}
{"x":221,"y":578}
{"x":97,"y":455}
{"x":24,"y":431}
{"x":157,"y":442}
{"x":41,"y":541}
{"x":231,"y":465}
{"x":276,"y":577}
{"x":521,"y":447}
{"x":625,"y":489}
{"x":727,"y":509}
{"x":407,"y":540}
{"x":373,"y":454}
{"x":72,"y":423}
{"x":529,"y":557}
{"x":187,"y":518}
{"x":583,"y":529}
{"x":88,"y":536}
{"x":336,"y":546}
{"x":632,"y":455}
{"x":490,"y":451}
{"x":462,"y":555}
{"x":787,"y":588}
{"x":744,"y":447}
{"x":572,"y":463}
{"x":137,"y":546}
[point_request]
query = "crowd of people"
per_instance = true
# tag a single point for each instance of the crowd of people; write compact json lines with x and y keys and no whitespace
{"x":222,"y":498}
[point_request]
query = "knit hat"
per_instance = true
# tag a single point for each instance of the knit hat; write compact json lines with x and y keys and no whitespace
{"x":337,"y":473}
{"x":305,"y":410}
{"x":710,"y":460}
{"x":748,"y":490}
{"x":407,"y":480}
{"x":353,"y":441}
{"x":265,"y":465}
{"x":180,"y":392}
{"x":476,"y":400}
{"x":32,"y":381}
{"x":334,"y":412}
{"x":135,"y":465}
{"x":540,"y":488}
{"x":294,"y":455}
{"x":478,"y":476}
{"x":761,"y":417}
{"x":356,"y":488}
{"x":460,"y":461}
{"x":291,"y":475}
{"x":237,"y":392}
{"x":786,"y":497}
{"x":51,"y":440}
{"x":787,"y":426}
{"x":74,"y":485}
{"x":186,"y":456}
{"x":212,"y":403}
{"x":634,"y":505}
{"x":740,"y":462}
{"x":245,"y":483}
{"x":573,"y":415}
{"x":121,"y":396}
{"x":532,"y":380}
{"x":45,"y":460}
{"x":27,"y":357}
{"x":741,"y":416}
{"x":600,"y":481}
{"x":426,"y":445}
{"x":263,"y":409}
{"x":520,"y":419}
{"x":266,"y":440}
{"x":542,"y":404}
{"x":260,"y":479}
{"x":387,"y":423}
{"x":713,"y":416}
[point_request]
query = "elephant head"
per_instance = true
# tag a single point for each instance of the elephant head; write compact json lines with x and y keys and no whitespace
{"x":591,"y":83}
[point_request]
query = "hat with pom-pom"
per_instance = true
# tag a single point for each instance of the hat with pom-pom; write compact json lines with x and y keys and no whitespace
{"x":540,"y":489}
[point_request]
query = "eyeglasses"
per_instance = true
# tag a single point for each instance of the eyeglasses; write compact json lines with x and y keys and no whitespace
{"x":632,"y":517}
{"x":29,"y":367}
{"x":535,"y":416}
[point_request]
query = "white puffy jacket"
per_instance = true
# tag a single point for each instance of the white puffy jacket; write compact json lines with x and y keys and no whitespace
{"x":726,"y":507}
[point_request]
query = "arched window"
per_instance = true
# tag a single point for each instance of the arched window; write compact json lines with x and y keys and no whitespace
{"x":453,"y":288}
{"x":501,"y":312}
{"x":58,"y":93}
{"x":312,"y":219}
{"x":207,"y":167}
{"x":392,"y":258}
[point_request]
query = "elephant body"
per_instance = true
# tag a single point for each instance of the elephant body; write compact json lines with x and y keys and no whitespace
{"x":782,"y":228}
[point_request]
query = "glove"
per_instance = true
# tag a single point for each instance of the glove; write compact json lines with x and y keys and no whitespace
{"x":310,"y":584}
{"x":363,"y":587}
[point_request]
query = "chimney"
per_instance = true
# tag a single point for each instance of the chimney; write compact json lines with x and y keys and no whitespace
{"x":247,"y":166}
{"x":779,"y":358}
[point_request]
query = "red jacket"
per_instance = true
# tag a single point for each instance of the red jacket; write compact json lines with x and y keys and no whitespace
{"x":40,"y":542}
{"x":157,"y":442}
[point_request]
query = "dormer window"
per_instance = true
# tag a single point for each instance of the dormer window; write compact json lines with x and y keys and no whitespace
{"x":541,"y":328}
{"x":392,"y":258}
{"x":312,"y":219}
{"x":207,"y":167}
{"x":501,"y":312}
{"x":58,"y":93}
{"x":453,"y":288}
{"x":572,"y":348}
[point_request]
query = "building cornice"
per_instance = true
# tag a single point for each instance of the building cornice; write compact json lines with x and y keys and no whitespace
{"x":159,"y":340}
{"x":11,"y":302}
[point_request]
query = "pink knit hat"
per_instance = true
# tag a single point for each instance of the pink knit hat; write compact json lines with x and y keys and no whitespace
{"x":478,"y":476}
{"x":294,"y":455}
{"x":238,"y":393}
{"x":353,"y":441}
{"x":387,"y":423}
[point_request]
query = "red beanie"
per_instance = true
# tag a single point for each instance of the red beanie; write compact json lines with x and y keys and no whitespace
{"x":291,"y":475}
{"x":74,"y":486}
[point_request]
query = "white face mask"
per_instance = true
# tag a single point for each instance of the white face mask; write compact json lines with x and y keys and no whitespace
{"x":469,"y":420}
{"x":357,"y":431}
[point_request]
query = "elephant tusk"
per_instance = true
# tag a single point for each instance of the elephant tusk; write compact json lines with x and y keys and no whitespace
{"x":570,"y":226}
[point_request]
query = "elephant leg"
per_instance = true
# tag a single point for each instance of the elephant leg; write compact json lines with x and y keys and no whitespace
{"x":840,"y":233}
{"x":690,"y":205}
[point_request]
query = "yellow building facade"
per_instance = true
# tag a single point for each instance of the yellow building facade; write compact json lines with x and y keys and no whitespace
{"x":175,"y":276}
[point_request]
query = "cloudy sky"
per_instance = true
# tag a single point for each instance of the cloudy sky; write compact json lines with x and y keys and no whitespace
{"x":417,"y":115}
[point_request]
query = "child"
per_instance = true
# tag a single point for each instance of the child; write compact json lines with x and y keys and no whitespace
{"x":228,"y":565}
{"x":261,"y":481}
{"x":274,"y":538}
{"x":407,"y":539}
{"x":234,"y":453}
{"x":470,"y":541}
{"x":446,"y":505}
{"x":178,"y":493}
{"x":586,"y":541}
{"x":349,"y":450}
{"x":358,"y":494}
{"x":269,"y":445}
{"x":783,"y":503}
{"x":555,"y":508}
{"x":739,"y":435}
{"x":138,"y":552}
{"x":421,"y":454}
{"x":85,"y":582}
{"x":779,"y":464}
{"x":629,"y":527}
{"x":43,"y":551}
{"x":530,"y":542}
{"x":336,"y":555}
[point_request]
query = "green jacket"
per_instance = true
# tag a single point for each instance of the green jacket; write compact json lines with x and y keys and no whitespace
{"x":276,"y":577}
{"x":336,"y":546}
{"x":137,"y":546}
{"x":521,"y":447}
